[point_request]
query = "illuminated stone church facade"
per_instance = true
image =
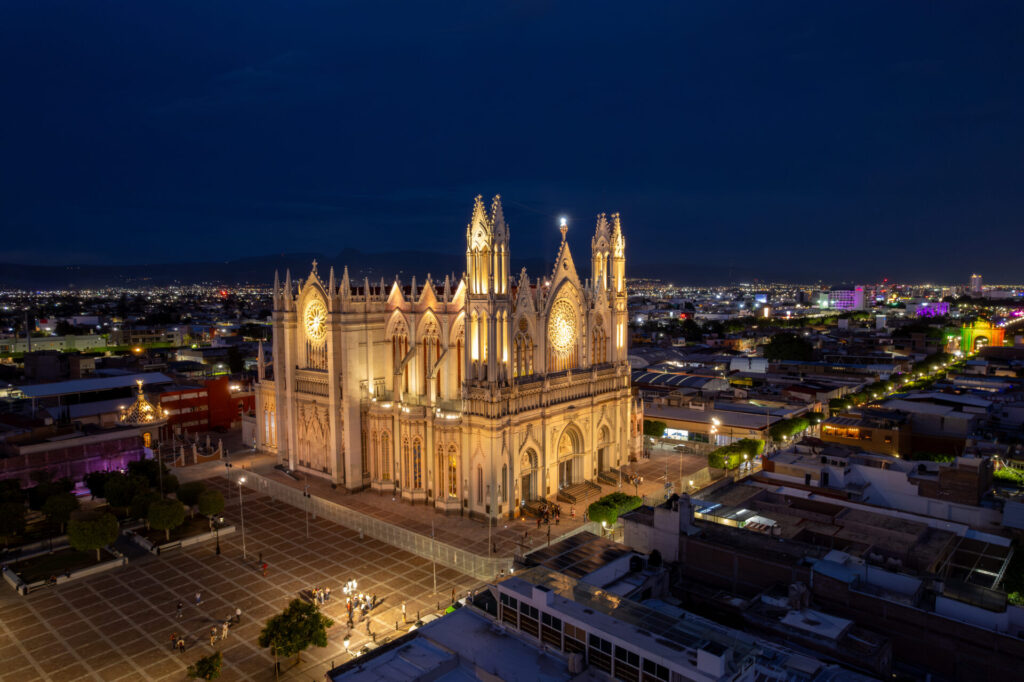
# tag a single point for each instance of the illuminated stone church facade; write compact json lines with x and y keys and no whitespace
{"x":471,"y":395}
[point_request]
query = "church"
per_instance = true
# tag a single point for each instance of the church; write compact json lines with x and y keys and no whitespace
{"x":474,"y":396}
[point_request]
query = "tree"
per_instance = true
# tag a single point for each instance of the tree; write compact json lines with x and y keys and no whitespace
{"x":92,"y":530}
{"x":150,"y":470}
{"x":211,"y":503}
{"x":299,"y":626}
{"x":788,"y":346}
{"x":96,"y":482}
{"x":610,"y":507}
{"x":59,"y":507}
{"x":653,"y":428}
{"x":788,"y":427}
{"x":166,"y":515}
{"x":188,"y":494}
{"x":12,"y":520}
{"x":120,"y":489}
{"x":139,"y":507}
{"x":45,"y":487}
{"x":206,"y":668}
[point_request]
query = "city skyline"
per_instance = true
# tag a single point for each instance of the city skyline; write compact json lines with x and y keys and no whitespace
{"x":779,"y":136}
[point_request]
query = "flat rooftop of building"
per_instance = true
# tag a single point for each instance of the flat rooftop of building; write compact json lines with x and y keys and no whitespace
{"x":579,"y":555}
{"x":454,"y":648}
{"x":728,"y":419}
{"x":649,"y":629}
{"x":89,"y":385}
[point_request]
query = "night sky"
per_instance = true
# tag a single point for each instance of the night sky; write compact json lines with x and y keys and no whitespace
{"x":859,"y":138}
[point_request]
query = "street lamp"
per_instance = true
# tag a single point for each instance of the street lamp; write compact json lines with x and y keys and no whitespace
{"x":241,"y":514}
{"x":305,"y":507}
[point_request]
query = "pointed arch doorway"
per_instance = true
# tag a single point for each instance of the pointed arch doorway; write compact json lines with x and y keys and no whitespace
{"x":528,"y":475}
{"x":570,"y":457}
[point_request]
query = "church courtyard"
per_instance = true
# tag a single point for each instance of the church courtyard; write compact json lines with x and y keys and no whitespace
{"x":117,"y":625}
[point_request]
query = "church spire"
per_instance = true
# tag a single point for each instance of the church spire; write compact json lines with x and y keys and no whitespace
{"x":346,"y":286}
{"x":330,"y":283}
{"x":498,"y":219}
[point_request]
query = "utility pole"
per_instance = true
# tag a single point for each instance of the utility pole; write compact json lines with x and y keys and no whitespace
{"x":433,"y":548}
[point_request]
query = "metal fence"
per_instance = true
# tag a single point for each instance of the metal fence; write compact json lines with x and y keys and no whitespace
{"x":482,"y":568}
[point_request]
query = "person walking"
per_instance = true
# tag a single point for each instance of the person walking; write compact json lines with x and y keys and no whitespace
{"x":224,"y":630}
{"x":327,"y":592}
{"x":199,"y":598}
{"x":181,"y":645}
{"x":180,"y":607}
{"x":264,"y":569}
{"x":174,"y":640}
{"x":213,"y":636}
{"x":238,"y":615}
{"x":403,"y":613}
{"x":373,"y":600}
{"x":572,"y":512}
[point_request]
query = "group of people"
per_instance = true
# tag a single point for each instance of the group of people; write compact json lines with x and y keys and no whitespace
{"x":359,"y":602}
{"x":321,"y":595}
{"x":550,"y":511}
{"x":216,"y":632}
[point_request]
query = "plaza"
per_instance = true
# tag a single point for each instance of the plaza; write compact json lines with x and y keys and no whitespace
{"x":117,"y":625}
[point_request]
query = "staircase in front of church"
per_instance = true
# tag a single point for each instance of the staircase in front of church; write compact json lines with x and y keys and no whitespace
{"x":580,"y":494}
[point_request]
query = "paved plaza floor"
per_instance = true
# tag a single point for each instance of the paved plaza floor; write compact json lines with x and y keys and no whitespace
{"x":117,"y":625}
{"x":507,"y":537}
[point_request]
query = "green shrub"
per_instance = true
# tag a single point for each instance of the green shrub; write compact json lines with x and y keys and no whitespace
{"x":788,"y":427}
{"x":1009,"y":476}
{"x":730,"y":456}
{"x":655,"y":429}
{"x":610,"y":507}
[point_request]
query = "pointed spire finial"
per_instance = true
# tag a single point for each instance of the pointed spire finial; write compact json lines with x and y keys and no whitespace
{"x":314,"y":267}
{"x":563,"y":226}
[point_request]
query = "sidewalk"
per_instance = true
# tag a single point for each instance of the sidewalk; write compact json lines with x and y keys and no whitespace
{"x":506,"y":536}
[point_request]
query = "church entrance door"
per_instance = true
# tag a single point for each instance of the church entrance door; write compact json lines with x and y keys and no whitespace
{"x":527,"y":486}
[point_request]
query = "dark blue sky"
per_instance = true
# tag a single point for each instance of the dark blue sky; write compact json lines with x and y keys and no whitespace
{"x":871,"y":138}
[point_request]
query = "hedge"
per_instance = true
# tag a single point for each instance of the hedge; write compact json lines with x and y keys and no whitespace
{"x":610,"y":507}
{"x":730,"y":456}
{"x":1009,"y":475}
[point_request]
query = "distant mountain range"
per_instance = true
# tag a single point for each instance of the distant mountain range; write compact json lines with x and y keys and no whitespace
{"x":260,"y":270}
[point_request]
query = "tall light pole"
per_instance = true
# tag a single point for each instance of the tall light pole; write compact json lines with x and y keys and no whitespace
{"x":305,"y":507}
{"x":433,"y":549}
{"x":241,"y":514}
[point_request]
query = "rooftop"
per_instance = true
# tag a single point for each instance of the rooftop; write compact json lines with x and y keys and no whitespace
{"x":60,"y":388}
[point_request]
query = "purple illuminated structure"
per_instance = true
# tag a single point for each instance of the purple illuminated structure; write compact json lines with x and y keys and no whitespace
{"x":933,"y":309}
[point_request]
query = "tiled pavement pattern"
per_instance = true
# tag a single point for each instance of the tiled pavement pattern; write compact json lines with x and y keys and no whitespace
{"x":117,"y":625}
{"x":506,"y":535}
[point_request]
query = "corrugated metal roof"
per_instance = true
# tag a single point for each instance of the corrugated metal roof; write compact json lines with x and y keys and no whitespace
{"x":88,"y":385}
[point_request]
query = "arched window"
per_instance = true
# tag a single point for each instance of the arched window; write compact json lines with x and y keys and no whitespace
{"x":440,"y":470}
{"x":430,"y":354}
{"x":407,"y":468}
{"x":399,"y":349}
{"x":453,"y":471}
{"x":522,"y":355}
{"x":417,"y":464}
{"x":385,"y":456}
{"x":599,"y":346}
